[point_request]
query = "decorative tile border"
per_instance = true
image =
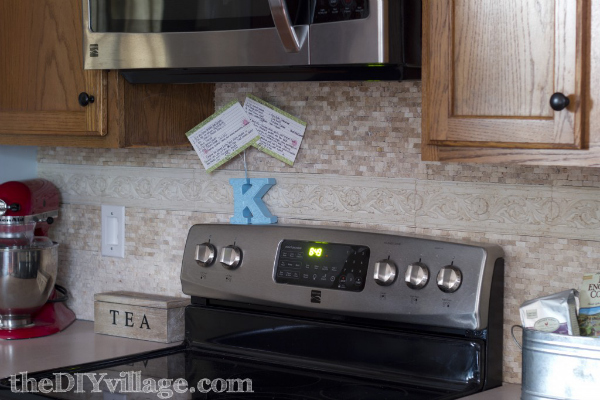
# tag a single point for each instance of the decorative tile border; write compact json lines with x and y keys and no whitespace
{"x":530,"y":210}
{"x":576,"y":212}
{"x":299,"y":196}
{"x":493,"y":208}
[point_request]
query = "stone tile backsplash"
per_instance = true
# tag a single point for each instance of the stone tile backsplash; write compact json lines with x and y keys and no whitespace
{"x":359,"y":167}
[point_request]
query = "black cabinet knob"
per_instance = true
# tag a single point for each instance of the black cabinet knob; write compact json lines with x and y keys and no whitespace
{"x":559,"y":101}
{"x":85,"y":99}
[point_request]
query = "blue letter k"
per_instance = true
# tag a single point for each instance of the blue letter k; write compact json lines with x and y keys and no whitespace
{"x":248,"y":207}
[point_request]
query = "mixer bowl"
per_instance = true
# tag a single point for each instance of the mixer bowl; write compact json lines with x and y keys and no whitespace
{"x":16,"y":235}
{"x":27,"y":277}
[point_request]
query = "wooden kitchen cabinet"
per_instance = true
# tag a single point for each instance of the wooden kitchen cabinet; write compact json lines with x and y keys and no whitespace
{"x":489,"y":71}
{"x":42,"y":76}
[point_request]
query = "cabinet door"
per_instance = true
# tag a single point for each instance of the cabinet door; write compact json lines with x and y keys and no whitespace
{"x":41,"y":72}
{"x":491,"y":68}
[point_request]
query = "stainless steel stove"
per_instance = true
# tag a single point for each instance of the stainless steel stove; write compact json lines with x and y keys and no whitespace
{"x":314,"y":313}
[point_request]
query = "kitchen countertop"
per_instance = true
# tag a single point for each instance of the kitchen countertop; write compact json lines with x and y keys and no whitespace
{"x":508,"y":391}
{"x":77,"y":344}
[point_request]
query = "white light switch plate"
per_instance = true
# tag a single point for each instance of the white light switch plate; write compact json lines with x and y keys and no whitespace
{"x":113,"y":231}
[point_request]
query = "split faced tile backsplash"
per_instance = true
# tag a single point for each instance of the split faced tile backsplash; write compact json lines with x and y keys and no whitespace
{"x":359,"y":167}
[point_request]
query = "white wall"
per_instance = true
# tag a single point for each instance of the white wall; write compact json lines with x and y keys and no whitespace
{"x":18,"y":163}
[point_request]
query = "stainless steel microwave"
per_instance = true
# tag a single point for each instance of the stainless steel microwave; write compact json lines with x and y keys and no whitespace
{"x":253,"y":40}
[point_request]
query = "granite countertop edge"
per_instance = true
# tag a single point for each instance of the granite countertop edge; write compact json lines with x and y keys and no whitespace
{"x":77,"y":344}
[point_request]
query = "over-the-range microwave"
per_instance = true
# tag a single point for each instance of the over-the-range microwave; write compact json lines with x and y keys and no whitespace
{"x":180,"y":41}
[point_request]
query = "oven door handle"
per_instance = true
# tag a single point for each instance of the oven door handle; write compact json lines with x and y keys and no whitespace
{"x":292,"y":38}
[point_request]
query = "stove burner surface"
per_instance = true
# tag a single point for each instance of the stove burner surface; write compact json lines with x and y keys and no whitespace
{"x":359,"y":392}
{"x":265,"y":396}
{"x":271,"y":381}
{"x":278,"y":379}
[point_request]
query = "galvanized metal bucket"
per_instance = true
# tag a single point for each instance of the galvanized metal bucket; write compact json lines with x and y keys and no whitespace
{"x":560,"y":367}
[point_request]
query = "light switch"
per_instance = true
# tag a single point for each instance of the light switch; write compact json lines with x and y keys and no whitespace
{"x":113,"y":231}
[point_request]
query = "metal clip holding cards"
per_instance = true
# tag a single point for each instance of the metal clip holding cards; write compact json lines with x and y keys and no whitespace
{"x":248,"y":207}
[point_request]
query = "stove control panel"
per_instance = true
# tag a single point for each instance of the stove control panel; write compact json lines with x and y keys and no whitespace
{"x":374,"y":275}
{"x":322,"y":265}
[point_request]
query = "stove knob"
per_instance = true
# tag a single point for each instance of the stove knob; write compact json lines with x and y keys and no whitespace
{"x":230,"y":257}
{"x":205,"y":254}
{"x":416,"y":276}
{"x":385,"y":272}
{"x":449,"y":279}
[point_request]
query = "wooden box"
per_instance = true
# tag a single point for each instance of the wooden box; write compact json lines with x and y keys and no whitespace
{"x":140,"y":316}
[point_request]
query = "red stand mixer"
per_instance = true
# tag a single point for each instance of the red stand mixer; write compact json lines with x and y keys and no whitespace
{"x":31,"y":305}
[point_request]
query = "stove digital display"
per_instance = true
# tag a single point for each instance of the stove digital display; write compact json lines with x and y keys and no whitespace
{"x":315,"y":252}
{"x":322,"y":265}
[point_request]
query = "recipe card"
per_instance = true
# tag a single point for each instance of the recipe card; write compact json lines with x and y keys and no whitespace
{"x":223,"y":135}
{"x":280,"y":133}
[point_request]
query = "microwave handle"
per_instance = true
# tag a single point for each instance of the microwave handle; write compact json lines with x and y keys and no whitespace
{"x":292,"y":38}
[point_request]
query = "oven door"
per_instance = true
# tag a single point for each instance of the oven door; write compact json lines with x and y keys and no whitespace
{"x":131,"y":34}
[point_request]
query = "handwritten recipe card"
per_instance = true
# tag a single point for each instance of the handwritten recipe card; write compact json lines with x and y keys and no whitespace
{"x":280,"y":133}
{"x":222,"y":136}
